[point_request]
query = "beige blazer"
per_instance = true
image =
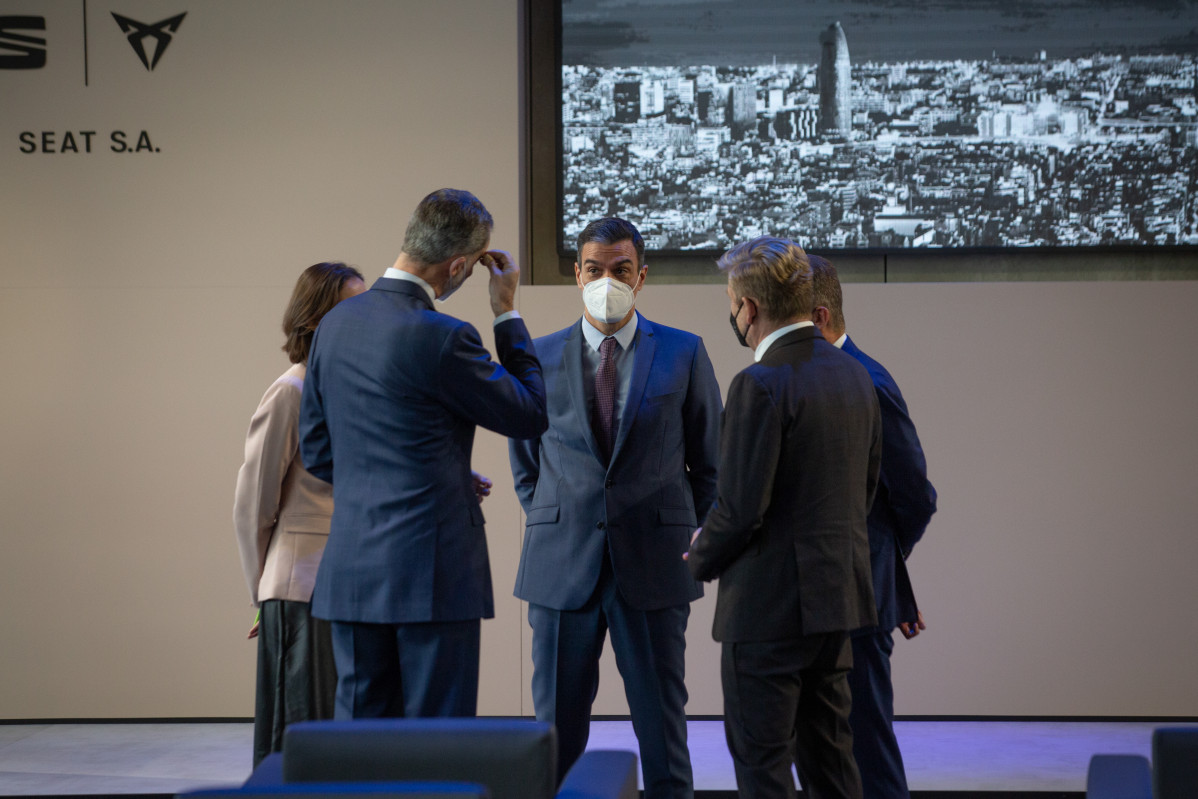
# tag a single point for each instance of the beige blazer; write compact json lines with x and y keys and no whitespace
{"x":281,"y":512}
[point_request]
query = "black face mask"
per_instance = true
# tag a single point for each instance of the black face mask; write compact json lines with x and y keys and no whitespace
{"x":735,"y":329}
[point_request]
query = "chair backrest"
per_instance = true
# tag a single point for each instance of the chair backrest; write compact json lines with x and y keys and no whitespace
{"x":1175,"y":762}
{"x":515,"y":759}
{"x":601,"y":774}
{"x":346,"y":790}
{"x":1119,"y":777}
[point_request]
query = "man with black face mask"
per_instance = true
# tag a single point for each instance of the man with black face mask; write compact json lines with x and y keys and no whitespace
{"x":610,"y":492}
{"x":799,"y":456}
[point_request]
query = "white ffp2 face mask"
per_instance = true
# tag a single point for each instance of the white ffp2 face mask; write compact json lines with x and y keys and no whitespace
{"x":608,"y":300}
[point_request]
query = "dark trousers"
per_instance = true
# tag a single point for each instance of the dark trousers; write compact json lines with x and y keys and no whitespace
{"x":406,"y":670}
{"x":650,"y":648}
{"x":788,"y":702}
{"x":872,"y":719}
{"x":296,"y":675}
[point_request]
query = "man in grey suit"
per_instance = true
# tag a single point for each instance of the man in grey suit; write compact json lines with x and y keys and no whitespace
{"x":901,"y":511}
{"x":394,"y":392}
{"x":611,"y":493}
{"x":799,"y":455}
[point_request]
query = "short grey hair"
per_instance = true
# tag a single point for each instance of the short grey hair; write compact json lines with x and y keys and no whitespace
{"x":446,"y":224}
{"x":827,"y":289}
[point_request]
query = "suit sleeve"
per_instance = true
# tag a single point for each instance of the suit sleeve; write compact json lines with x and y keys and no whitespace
{"x":750,"y":445}
{"x":525,"y":455}
{"x":910,"y":496}
{"x":506,"y":397}
{"x":316,"y":449}
{"x":701,"y":426}
{"x":270,"y":447}
{"x":875,"y":457}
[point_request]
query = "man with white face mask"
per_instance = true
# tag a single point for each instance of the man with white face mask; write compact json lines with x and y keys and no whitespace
{"x":628,"y":462}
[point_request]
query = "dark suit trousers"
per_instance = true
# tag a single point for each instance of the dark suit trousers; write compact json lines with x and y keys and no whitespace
{"x":788,"y":702}
{"x":872,"y":719}
{"x":650,"y":649}
{"x":414,"y":670}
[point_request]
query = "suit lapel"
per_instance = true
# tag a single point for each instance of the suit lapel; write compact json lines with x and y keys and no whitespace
{"x":572,"y":364}
{"x":643,"y":350}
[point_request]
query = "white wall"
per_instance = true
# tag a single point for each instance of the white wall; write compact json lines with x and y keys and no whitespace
{"x":140,"y":296}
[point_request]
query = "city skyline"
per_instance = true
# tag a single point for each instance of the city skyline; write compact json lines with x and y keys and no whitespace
{"x":990,"y":152}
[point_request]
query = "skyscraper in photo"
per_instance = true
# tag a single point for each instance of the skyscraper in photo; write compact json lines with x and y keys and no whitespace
{"x":835,"y":83}
{"x":742,"y":105}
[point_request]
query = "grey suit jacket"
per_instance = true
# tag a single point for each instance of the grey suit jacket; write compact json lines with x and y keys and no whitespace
{"x":642,"y":506}
{"x":799,"y":456}
{"x":281,"y":512}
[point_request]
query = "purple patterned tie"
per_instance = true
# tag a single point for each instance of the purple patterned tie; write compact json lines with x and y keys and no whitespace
{"x":605,"y":396}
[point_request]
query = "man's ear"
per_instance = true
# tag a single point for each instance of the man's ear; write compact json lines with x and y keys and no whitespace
{"x":457,"y":265}
{"x":821,"y":316}
{"x":751,"y":310}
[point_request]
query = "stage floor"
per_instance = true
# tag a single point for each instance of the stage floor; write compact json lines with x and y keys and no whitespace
{"x":941,"y":756}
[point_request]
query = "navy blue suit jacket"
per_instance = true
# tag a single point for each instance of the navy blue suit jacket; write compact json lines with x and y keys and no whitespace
{"x":393,"y":394}
{"x":904,"y":503}
{"x":645,"y":503}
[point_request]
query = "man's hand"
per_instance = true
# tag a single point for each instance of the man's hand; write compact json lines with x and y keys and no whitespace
{"x":482,"y":486}
{"x":694,"y":535}
{"x":253,"y":631}
{"x":910,"y":630}
{"x":505,"y":276}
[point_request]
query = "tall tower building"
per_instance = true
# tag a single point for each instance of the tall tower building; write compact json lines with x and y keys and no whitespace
{"x":742,"y":105}
{"x":835,"y":83}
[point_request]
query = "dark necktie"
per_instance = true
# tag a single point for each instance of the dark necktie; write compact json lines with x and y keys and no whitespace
{"x":605,"y":396}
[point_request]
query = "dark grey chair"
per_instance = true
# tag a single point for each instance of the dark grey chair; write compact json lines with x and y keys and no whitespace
{"x":1175,"y":762}
{"x":344,"y":790}
{"x":1172,"y":775}
{"x":514,"y":759}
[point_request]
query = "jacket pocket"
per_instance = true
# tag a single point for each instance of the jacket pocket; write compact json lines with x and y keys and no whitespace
{"x":544,"y":515}
{"x":314,"y":525}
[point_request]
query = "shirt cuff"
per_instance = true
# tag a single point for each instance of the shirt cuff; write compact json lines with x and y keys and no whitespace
{"x":503,"y":317}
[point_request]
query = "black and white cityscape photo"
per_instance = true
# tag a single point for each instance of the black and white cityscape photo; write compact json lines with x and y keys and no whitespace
{"x":882,"y":123}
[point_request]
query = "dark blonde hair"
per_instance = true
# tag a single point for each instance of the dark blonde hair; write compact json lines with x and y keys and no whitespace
{"x":317,"y":290}
{"x":775,"y":273}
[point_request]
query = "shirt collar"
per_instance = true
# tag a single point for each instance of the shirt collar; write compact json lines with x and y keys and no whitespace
{"x":768,"y":341}
{"x":623,"y":336}
{"x":399,"y":274}
{"x":839,"y":343}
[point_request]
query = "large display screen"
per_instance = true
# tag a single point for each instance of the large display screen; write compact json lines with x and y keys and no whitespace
{"x":880,"y":124}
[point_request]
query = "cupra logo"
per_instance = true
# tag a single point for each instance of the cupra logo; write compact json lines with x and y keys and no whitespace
{"x":138,"y":32}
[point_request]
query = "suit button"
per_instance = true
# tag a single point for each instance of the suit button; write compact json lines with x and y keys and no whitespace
{"x":601,"y":525}
{"x":609,"y":483}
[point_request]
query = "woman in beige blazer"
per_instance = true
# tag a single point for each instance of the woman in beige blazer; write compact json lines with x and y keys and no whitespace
{"x":281,"y":516}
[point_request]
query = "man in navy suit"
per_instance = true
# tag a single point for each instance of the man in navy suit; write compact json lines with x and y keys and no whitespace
{"x":611,"y":493}
{"x":393,"y":395}
{"x":799,"y":457}
{"x":902,"y":508}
